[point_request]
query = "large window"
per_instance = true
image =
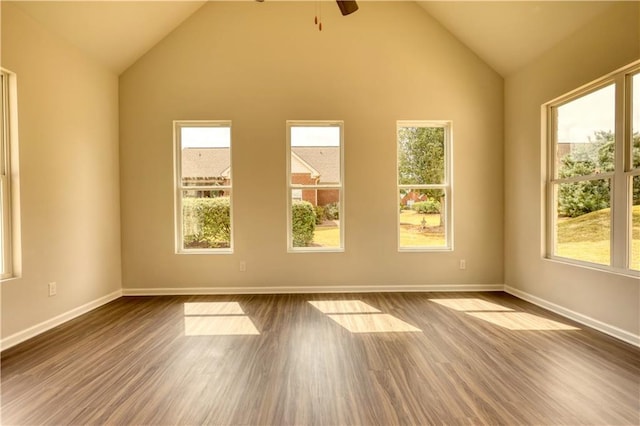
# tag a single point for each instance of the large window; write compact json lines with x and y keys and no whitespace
{"x":203,"y":186}
{"x":6,"y":229}
{"x":424,"y":185}
{"x":315,"y":186}
{"x":633,"y":177}
{"x":594,"y":168}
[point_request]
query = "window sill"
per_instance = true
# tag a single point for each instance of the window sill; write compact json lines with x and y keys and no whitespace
{"x":630,"y":273}
{"x":205,"y":251}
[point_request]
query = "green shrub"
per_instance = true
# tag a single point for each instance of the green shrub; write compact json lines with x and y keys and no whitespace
{"x":320,"y":215}
{"x":332,"y":211}
{"x":207,"y":222}
{"x":429,"y":206}
{"x":303,"y":223}
{"x":582,"y":197}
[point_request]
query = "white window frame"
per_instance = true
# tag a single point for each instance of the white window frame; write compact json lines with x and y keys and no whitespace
{"x":178,"y":125}
{"x":620,"y":179}
{"x":293,"y":187}
{"x":446,"y":186}
{"x":8,"y":190}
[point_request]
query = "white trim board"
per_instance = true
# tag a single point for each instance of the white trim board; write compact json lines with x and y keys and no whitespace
{"x":605,"y":328}
{"x":47,"y":325}
{"x":309,"y":289}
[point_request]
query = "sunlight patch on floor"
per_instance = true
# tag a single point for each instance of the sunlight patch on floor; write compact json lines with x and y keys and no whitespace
{"x":342,"y":306}
{"x":501,"y":315}
{"x":373,"y":323}
{"x":521,"y":321}
{"x":219,"y":326}
{"x":213,"y":308}
{"x":359,"y":317}
{"x":217,"y":319}
{"x":466,"y":305}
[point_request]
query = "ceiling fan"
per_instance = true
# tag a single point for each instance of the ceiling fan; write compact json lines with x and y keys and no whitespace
{"x":347,"y":7}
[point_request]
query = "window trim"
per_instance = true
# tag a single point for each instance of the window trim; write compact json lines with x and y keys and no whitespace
{"x":178,"y":125}
{"x":291,"y":187}
{"x":620,"y":179}
{"x":10,"y":211}
{"x":446,"y":186}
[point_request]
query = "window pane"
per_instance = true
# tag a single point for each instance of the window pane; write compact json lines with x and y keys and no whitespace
{"x":421,"y":155}
{"x":206,"y":219}
{"x":422,"y":218}
{"x":3,"y":198}
{"x":635,"y":227}
{"x":315,"y":155}
{"x":315,"y":220}
{"x":585,"y":134}
{"x":636,"y":120}
{"x":206,"y":156}
{"x":583,"y":227}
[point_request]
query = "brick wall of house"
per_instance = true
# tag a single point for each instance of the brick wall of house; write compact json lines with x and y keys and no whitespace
{"x":328,"y":196}
{"x":306,"y":179}
{"x":412,"y":196}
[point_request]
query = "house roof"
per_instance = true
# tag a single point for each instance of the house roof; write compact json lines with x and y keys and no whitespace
{"x":298,"y":165}
{"x":324,"y":159}
{"x":206,"y":162}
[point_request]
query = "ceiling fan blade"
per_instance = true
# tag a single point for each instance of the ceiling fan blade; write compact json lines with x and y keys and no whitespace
{"x":347,"y":7}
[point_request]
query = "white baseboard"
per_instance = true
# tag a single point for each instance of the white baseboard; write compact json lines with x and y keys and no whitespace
{"x":310,"y":289}
{"x":611,"y":330}
{"x":30,"y":332}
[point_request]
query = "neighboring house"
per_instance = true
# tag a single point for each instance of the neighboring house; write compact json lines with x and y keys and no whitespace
{"x":309,"y":166}
{"x":412,"y":197}
{"x":316,"y":165}
{"x":206,"y":166}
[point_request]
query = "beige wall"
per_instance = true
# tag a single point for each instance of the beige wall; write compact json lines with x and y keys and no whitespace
{"x":262,"y":64}
{"x":608,"y":43}
{"x":70,"y":209}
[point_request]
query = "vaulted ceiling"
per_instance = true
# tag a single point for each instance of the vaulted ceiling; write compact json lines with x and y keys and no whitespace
{"x":505,"y":34}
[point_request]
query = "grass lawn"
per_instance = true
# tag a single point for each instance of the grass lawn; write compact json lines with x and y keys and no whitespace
{"x":584,"y":238}
{"x":587,"y":237}
{"x":411,"y":232}
{"x":327,"y":235}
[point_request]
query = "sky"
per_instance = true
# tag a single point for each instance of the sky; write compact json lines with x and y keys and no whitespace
{"x":579,"y":119}
{"x":315,"y":136}
{"x":206,"y":137}
{"x":220,"y":137}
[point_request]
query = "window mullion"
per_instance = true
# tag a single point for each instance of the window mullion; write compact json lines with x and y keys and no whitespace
{"x":619,"y":199}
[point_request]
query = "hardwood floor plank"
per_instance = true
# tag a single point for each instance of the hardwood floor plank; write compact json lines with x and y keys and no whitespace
{"x":134,"y":361}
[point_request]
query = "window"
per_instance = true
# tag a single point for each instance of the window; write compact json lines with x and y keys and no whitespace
{"x":594,"y":172}
{"x":315,"y":186}
{"x":633,"y":177}
{"x":203,"y":187}
{"x":424,"y":185}
{"x":7,"y":107}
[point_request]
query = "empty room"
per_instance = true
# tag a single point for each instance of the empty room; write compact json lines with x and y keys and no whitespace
{"x":320,"y":212}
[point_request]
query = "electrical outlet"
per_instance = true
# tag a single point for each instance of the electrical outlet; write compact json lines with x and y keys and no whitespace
{"x":243,"y":266}
{"x":463,"y":264}
{"x":53,"y":289}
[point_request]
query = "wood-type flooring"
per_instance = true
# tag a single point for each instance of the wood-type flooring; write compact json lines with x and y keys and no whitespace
{"x":321,"y":359}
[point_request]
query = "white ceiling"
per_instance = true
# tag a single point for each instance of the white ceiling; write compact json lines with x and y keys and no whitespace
{"x":505,"y":34}
{"x":509,"y":34}
{"x":116,"y":33}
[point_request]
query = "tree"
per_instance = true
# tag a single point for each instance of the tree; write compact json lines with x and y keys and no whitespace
{"x":421,"y":159}
{"x":578,"y":198}
{"x":421,"y":155}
